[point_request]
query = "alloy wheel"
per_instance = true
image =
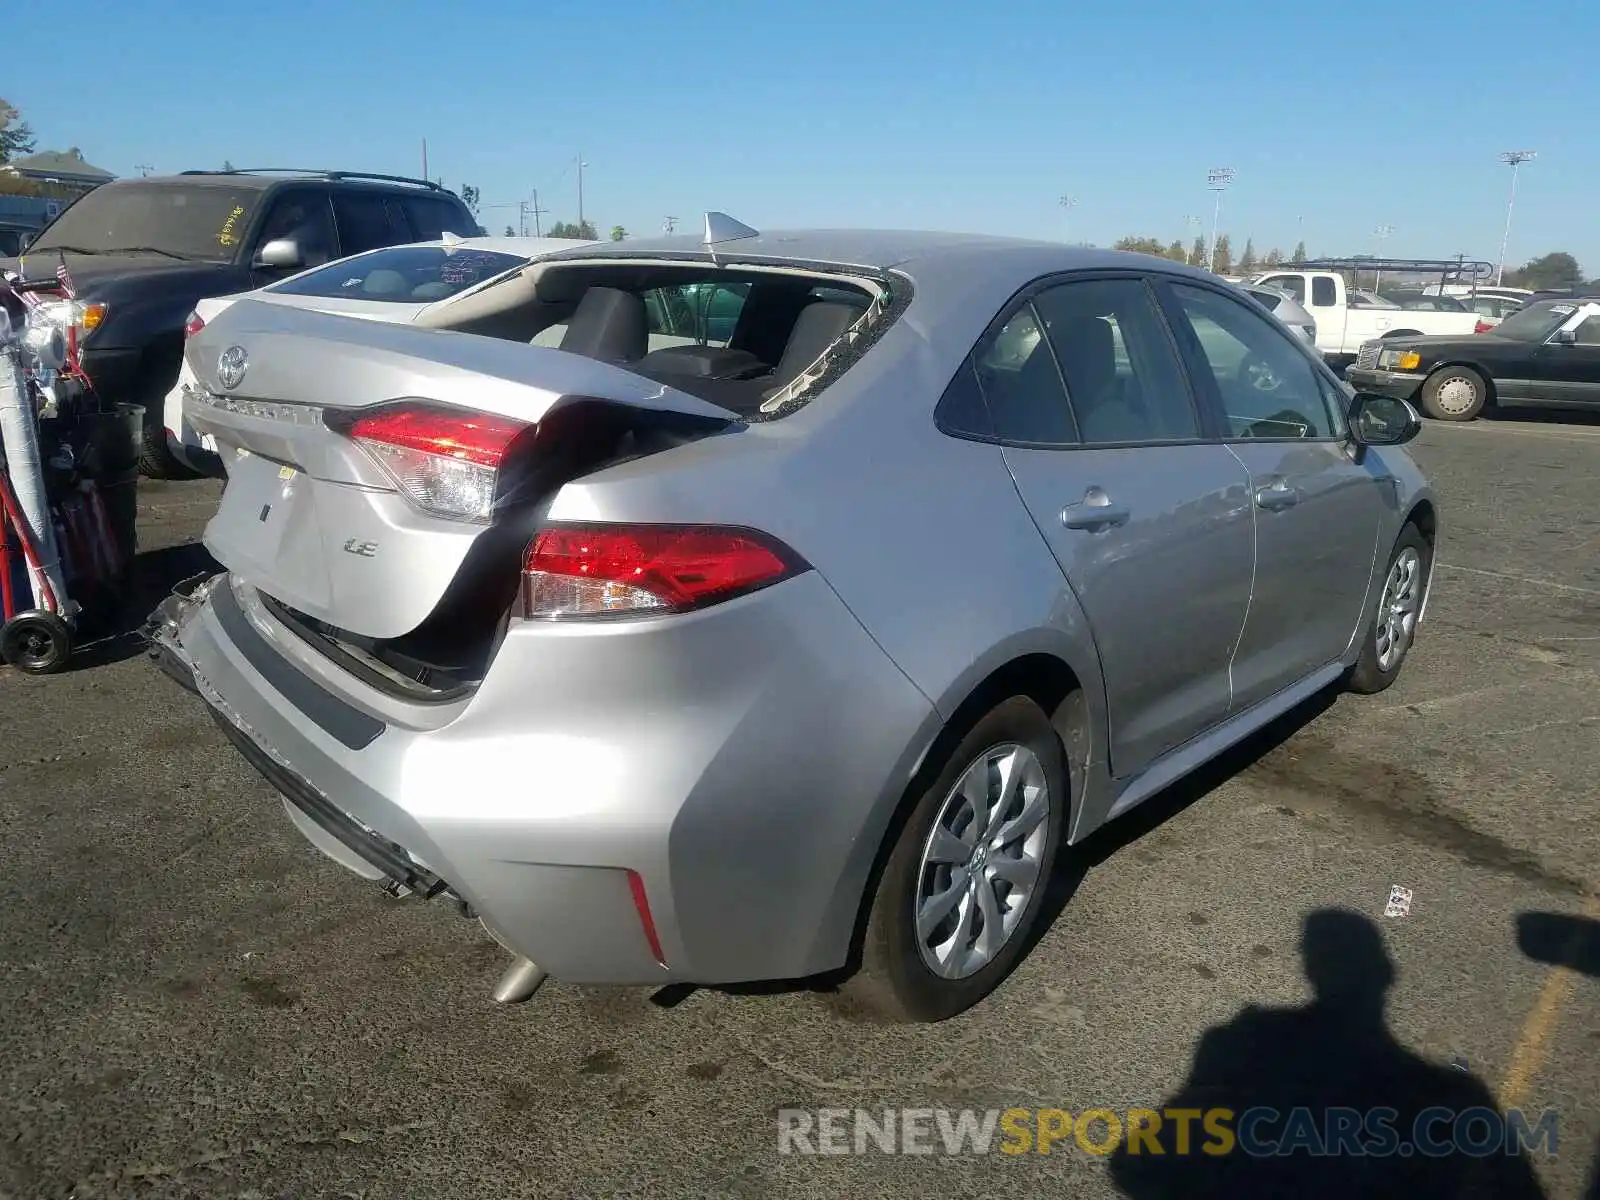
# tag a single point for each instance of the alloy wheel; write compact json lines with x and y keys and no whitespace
{"x":981,"y":861}
{"x":1397,"y":616}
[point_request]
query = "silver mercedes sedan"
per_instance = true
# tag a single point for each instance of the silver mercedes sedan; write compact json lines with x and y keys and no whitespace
{"x":771,"y":606}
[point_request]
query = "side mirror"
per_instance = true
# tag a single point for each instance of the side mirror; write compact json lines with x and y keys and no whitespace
{"x":279,"y":254}
{"x":1567,"y":337}
{"x":24,"y":242}
{"x":1383,"y":420}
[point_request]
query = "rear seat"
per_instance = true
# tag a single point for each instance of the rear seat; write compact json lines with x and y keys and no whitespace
{"x":609,"y":324}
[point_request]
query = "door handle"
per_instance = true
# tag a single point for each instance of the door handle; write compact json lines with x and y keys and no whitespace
{"x":1094,"y":511}
{"x":1277,"y":495}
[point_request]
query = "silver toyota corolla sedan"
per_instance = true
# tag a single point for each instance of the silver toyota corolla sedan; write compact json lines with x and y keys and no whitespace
{"x":765,"y":606}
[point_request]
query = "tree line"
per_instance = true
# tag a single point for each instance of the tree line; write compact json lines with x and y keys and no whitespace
{"x":1199,"y":254}
{"x":1552,"y":271}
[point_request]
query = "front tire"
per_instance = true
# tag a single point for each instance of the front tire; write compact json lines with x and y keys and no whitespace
{"x":964,"y":883}
{"x":1454,"y":394}
{"x":156,"y":459}
{"x":1394,"y":625}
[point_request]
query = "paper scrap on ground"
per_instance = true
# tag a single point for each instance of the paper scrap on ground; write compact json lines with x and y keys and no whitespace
{"x":1399,"y":902}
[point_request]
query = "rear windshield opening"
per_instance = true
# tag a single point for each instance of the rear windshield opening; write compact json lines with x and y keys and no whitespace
{"x":757,"y":342}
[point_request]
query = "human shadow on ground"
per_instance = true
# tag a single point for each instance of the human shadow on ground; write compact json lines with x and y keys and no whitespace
{"x":1341,"y":1091}
{"x":1564,"y":940}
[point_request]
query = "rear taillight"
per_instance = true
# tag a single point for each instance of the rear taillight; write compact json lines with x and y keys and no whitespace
{"x":1482,"y":327}
{"x":193,"y":325}
{"x":445,"y":459}
{"x":620,"y":570}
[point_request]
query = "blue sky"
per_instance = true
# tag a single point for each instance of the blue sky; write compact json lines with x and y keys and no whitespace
{"x":1337,"y":116}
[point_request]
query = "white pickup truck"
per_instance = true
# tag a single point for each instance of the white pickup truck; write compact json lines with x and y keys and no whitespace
{"x":1345,"y":319}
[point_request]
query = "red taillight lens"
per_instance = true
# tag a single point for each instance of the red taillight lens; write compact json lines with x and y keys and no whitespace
{"x":193,"y":325}
{"x":641,"y":904}
{"x":1482,"y":327}
{"x":444,"y":459}
{"x":614,"y":570}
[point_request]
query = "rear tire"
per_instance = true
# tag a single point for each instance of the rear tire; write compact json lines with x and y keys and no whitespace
{"x":996,"y":861}
{"x":1454,"y":394}
{"x":1393,"y":629}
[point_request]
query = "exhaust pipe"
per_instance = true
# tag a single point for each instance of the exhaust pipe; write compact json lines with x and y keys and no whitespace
{"x":521,"y":980}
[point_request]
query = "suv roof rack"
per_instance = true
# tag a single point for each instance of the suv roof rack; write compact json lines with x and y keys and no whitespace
{"x":315,"y":173}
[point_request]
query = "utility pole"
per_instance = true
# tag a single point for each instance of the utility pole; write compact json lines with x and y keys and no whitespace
{"x":1193,"y":224}
{"x":668,"y":224}
{"x":1217,"y":179}
{"x":1513,"y":159}
{"x":144,"y":169}
{"x":425,"y":158}
{"x":581,"y":166}
{"x":1382,"y":233}
{"x":538,"y":226}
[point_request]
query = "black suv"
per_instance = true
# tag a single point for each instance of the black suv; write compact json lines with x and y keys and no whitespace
{"x":141,"y":252}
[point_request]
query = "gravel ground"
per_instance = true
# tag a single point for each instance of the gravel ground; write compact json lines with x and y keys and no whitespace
{"x":197,"y":1004}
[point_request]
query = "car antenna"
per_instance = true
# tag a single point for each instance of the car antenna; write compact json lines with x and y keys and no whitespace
{"x":720,"y":228}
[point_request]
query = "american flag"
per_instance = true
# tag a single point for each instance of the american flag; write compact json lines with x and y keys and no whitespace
{"x":64,"y":278}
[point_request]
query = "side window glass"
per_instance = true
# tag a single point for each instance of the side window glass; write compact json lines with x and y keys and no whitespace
{"x":1293,"y":284}
{"x":1268,"y":388}
{"x":432,"y":218}
{"x":363,"y":220}
{"x":1022,"y":386}
{"x":961,"y":410}
{"x":1589,"y":332}
{"x":1322,"y":292}
{"x":302,"y":215}
{"x":1123,"y":378}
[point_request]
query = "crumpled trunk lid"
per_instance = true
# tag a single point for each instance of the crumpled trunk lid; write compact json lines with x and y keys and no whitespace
{"x":308,"y":516}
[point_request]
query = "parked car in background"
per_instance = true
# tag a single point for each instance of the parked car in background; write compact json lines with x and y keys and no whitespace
{"x":1492,"y":309}
{"x":1416,"y":301}
{"x":1546,"y":353}
{"x":1286,"y":308}
{"x":1346,"y":319}
{"x":143,"y":252}
{"x":396,"y":284}
{"x":655,"y":659}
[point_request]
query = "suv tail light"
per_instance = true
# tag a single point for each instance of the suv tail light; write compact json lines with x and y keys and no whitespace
{"x":445,"y":459}
{"x":193,"y":324}
{"x":636,"y":570}
{"x":1482,"y":327}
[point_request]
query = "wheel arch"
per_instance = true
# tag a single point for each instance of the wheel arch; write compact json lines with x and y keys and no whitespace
{"x":1046,"y":678}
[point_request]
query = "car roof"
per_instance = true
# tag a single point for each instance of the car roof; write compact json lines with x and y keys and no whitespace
{"x":528,"y":247}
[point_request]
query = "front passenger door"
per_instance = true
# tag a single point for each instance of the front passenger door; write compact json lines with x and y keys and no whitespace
{"x":1148,"y":517}
{"x":1569,"y":373}
{"x":1317,"y":510}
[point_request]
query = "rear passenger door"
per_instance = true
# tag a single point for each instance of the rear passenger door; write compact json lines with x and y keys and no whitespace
{"x":1147,"y":514}
{"x":1318,"y":511}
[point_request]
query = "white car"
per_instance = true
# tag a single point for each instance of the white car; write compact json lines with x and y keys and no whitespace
{"x":395,"y":284}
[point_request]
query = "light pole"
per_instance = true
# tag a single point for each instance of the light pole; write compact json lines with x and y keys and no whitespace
{"x":668,"y":224}
{"x":581,"y":166}
{"x":1382,"y":233}
{"x":1068,"y":203}
{"x":1217,"y":179}
{"x":1513,"y":159}
{"x":1194,"y":224}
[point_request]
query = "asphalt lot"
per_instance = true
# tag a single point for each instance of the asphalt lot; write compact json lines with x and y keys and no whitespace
{"x":197,"y":1004}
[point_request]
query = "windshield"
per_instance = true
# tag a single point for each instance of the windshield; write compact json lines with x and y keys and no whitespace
{"x":203,"y":223}
{"x":402,"y":274}
{"x":1536,"y":322}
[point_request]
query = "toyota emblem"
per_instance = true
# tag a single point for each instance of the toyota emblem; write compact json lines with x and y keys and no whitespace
{"x":231,"y":367}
